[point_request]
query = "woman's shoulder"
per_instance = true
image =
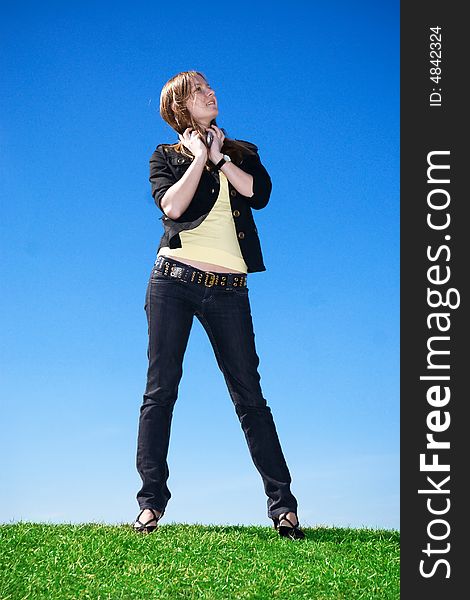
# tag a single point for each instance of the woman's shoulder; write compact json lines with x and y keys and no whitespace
{"x":166,"y":152}
{"x":163,"y":151}
{"x":249,"y":145}
{"x":165,"y":148}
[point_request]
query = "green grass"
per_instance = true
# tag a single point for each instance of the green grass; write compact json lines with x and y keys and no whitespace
{"x":100,"y":562}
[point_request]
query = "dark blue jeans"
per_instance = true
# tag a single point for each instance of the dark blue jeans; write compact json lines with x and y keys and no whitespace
{"x":225,"y":315}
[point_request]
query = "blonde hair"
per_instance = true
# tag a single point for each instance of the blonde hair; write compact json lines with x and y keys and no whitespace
{"x":173,"y":98}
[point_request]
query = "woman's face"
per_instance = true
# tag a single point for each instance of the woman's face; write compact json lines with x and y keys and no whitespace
{"x":202,"y":104}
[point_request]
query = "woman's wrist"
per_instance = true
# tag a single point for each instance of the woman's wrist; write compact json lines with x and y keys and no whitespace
{"x":217,"y":157}
{"x":201,"y":157}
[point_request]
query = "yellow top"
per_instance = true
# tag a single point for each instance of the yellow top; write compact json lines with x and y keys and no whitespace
{"x":215,"y":239}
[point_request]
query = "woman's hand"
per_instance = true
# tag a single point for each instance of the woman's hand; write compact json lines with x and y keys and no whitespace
{"x":215,"y":152}
{"x":192,"y":140}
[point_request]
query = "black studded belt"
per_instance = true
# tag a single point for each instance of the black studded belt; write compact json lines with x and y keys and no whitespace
{"x":169,"y":267}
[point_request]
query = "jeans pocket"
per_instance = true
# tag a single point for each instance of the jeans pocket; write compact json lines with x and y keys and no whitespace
{"x":158,"y":280}
{"x":241,"y":291}
{"x":158,"y":276}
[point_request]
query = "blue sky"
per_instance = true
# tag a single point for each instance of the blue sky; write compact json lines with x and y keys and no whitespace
{"x":316,"y":87}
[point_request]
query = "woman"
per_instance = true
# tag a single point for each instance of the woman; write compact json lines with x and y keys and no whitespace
{"x":205,"y":185}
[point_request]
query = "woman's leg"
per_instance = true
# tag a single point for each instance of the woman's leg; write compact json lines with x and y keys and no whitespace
{"x":169,"y":316}
{"x":228,"y":323}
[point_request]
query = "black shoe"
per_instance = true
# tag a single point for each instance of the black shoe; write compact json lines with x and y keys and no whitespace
{"x":293,"y":532}
{"x":146,"y":527}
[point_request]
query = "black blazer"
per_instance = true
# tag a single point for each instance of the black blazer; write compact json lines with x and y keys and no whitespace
{"x":168,"y":166}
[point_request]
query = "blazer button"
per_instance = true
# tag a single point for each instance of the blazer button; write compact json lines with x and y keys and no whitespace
{"x":236,"y":213}
{"x":233,"y":192}
{"x":212,"y":190}
{"x":241,"y":235}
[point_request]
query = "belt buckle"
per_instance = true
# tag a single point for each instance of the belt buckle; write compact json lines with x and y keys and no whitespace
{"x":211,"y":281}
